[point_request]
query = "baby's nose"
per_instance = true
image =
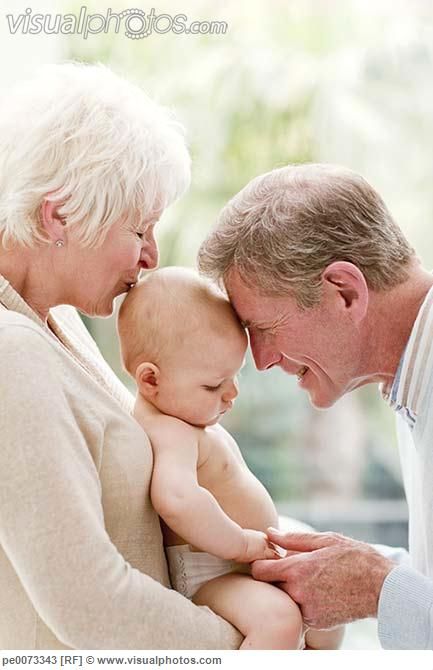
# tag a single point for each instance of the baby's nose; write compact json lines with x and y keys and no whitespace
{"x":231,"y":393}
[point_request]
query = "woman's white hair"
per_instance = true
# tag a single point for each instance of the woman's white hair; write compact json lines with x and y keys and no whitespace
{"x":82,"y":136}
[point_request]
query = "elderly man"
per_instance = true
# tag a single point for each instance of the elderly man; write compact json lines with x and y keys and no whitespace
{"x":330,"y":291}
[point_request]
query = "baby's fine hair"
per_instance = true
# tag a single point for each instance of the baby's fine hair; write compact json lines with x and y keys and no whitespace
{"x":168,"y":309}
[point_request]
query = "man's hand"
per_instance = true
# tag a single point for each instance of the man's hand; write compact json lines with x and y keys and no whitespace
{"x":333,"y":578}
{"x":256,"y":546}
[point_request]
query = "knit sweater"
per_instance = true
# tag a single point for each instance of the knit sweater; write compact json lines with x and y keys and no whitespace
{"x":82,"y":563}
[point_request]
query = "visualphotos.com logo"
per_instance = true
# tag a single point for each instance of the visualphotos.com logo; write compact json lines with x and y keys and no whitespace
{"x":133,"y":23}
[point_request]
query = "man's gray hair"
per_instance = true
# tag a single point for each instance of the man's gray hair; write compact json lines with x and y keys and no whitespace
{"x":84,"y":137}
{"x":285,"y":227}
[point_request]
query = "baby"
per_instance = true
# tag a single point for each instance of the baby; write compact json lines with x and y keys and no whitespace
{"x":183,"y":344}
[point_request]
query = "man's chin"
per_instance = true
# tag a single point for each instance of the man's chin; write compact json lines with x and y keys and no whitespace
{"x":322,"y":401}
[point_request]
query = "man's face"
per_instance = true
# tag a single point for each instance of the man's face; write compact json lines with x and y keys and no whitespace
{"x":320,"y":345}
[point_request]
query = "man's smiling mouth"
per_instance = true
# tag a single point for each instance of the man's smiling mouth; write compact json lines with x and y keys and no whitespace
{"x":301,"y":372}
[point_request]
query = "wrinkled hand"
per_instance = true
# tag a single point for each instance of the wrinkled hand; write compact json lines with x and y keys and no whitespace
{"x":333,"y":578}
{"x":256,"y":546}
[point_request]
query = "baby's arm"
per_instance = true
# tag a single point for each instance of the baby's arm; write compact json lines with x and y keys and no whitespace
{"x":191,"y":510}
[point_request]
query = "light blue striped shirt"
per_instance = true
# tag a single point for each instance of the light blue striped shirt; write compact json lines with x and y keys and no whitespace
{"x":405,"y":615}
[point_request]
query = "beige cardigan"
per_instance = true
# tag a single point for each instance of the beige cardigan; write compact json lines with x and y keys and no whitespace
{"x":81,"y":557}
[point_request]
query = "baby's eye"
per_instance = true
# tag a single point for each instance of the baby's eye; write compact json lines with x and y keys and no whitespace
{"x":212,"y":388}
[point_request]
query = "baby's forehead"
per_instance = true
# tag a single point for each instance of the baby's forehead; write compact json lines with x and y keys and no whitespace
{"x":220,"y":332}
{"x":217,"y":349}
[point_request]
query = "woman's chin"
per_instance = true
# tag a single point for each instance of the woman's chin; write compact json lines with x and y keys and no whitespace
{"x":101,"y":311}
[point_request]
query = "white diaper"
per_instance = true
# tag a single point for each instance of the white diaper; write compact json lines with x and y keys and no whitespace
{"x":189,"y":570}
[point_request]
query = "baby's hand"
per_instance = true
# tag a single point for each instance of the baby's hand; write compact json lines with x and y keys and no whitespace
{"x":256,"y":546}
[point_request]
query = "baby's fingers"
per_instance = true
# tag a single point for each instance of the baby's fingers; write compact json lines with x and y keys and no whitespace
{"x":280,"y":552}
{"x":273,"y":551}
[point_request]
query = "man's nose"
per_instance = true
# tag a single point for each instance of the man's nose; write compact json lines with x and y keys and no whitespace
{"x":264,"y":357}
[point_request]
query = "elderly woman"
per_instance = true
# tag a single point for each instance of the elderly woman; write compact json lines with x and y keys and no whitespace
{"x":87,"y":165}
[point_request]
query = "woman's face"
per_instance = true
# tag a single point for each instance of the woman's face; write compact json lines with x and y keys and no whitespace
{"x":98,"y":275}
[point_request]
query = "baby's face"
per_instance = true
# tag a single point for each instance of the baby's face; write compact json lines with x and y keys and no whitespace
{"x":199,"y":385}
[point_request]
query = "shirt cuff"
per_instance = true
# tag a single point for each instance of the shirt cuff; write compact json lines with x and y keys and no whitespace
{"x":396,"y":554}
{"x":404,"y":612}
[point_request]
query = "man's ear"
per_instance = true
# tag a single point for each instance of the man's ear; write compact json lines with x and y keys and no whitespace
{"x":52,"y":223}
{"x":147,"y":379}
{"x":346,"y":283}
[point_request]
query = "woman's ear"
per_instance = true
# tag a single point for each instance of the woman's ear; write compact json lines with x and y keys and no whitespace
{"x":346,"y":285}
{"x":147,"y":379}
{"x":52,"y":223}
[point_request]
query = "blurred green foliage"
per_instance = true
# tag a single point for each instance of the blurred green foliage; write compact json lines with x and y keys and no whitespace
{"x":289,"y":82}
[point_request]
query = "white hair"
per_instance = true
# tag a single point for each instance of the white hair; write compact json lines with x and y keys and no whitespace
{"x":82,"y":136}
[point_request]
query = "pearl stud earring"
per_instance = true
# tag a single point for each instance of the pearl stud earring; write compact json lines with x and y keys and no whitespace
{"x":60,"y":243}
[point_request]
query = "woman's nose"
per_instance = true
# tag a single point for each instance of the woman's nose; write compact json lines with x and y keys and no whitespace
{"x":149,"y":250}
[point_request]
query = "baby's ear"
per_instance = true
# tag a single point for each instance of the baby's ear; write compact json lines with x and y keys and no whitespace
{"x":147,"y":379}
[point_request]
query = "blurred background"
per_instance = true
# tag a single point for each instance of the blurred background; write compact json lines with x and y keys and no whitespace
{"x":323,"y":80}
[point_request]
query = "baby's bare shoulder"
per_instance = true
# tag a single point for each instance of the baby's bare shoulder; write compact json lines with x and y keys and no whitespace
{"x":163,"y":430}
{"x":216,"y":437}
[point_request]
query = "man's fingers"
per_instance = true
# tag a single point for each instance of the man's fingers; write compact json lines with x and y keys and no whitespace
{"x":288,"y":553}
{"x":298,"y":542}
{"x":268,"y":570}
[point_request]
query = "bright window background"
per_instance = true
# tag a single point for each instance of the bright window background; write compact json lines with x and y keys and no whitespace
{"x":346,"y":82}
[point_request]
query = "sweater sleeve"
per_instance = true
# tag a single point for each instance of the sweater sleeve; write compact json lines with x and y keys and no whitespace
{"x":405,"y":618}
{"x":52,"y":524}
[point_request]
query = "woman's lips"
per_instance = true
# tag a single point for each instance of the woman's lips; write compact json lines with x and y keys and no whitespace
{"x":129,"y":283}
{"x":126,"y":286}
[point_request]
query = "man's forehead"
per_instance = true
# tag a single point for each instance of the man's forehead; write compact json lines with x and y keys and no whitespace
{"x":241,"y":296}
{"x":252,"y":308}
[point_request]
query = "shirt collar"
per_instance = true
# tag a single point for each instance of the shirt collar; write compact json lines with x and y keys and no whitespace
{"x":406,"y":392}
